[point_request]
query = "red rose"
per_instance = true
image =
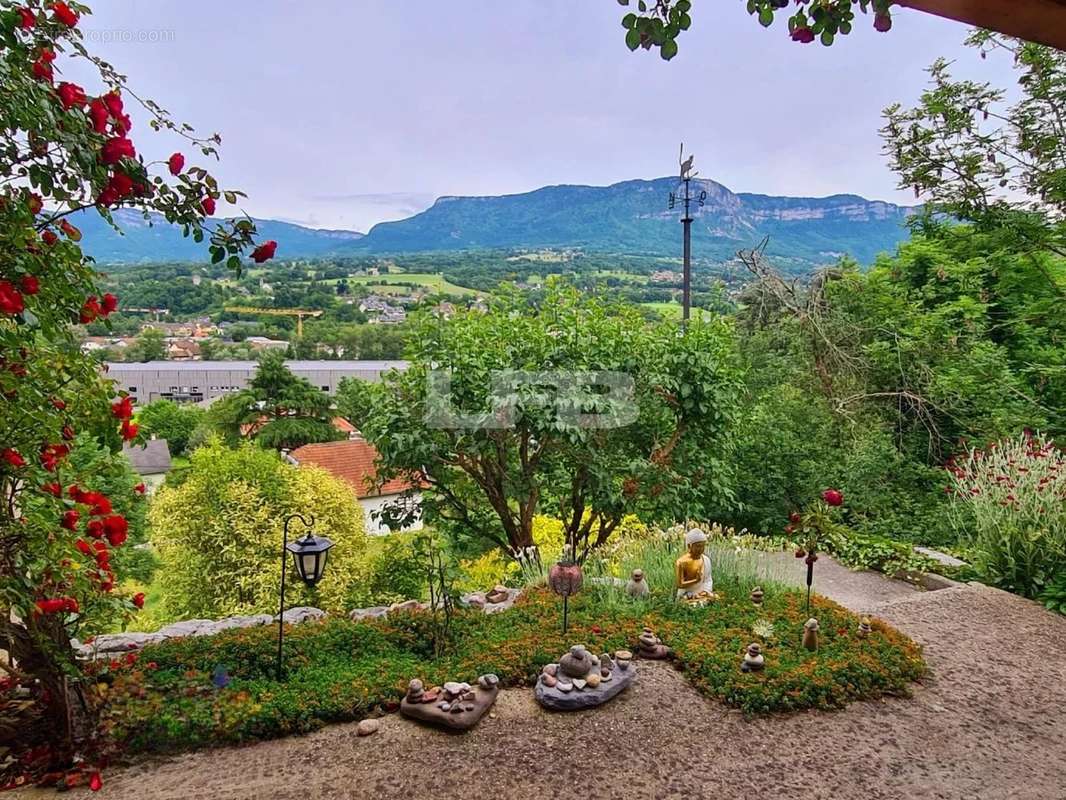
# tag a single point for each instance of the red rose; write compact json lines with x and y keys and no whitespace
{"x":10,"y":299}
{"x":62,"y":13}
{"x":116,"y":529}
{"x":53,"y":489}
{"x":52,"y":606}
{"x":58,"y":403}
{"x":70,"y":605}
{"x":68,"y":433}
{"x":122,"y":124}
{"x":139,"y":488}
{"x":794,"y":518}
{"x":42,"y":69}
{"x":27,"y":19}
{"x":71,"y":95}
{"x":115,"y":149}
{"x":83,"y":547}
{"x":122,"y":409}
{"x":151,"y":665}
{"x":90,"y":310}
{"x":52,"y":454}
{"x":176,"y":163}
{"x":107,"y":197}
{"x":12,"y":457}
{"x":129,"y":430}
{"x":49,"y":238}
{"x":208,"y":205}
{"x":70,"y":520}
{"x":138,"y":599}
{"x":804,"y":35}
{"x":29,"y":284}
{"x":108,"y":304}
{"x":113,"y":101}
{"x":95,"y":528}
{"x":100,"y":504}
{"x":121,"y":184}
{"x":264,"y":252}
{"x":833,"y":497}
{"x":99,"y":115}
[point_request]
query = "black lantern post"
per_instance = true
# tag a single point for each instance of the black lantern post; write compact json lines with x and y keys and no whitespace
{"x":309,"y":556}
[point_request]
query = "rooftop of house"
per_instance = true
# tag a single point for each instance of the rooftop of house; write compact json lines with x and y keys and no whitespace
{"x":225,"y":366}
{"x":353,"y":461}
{"x":151,"y":458}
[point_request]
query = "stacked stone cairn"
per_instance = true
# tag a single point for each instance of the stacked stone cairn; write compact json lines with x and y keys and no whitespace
{"x":583,"y":680}
{"x":753,"y":659}
{"x":651,"y":646}
{"x":453,"y":705}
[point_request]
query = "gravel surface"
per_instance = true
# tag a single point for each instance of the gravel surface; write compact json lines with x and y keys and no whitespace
{"x":988,"y":723}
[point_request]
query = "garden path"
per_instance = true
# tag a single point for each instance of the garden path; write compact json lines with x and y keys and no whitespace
{"x":987,"y":724}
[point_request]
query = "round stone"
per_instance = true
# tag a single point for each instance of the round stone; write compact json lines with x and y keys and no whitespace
{"x":593,"y":680}
{"x":606,"y":675}
{"x":367,"y":727}
{"x":575,"y":664}
{"x":623,"y":655}
{"x":445,"y":706}
{"x":550,"y":669}
{"x":453,"y":689}
{"x":415,"y":686}
{"x":548,"y":680}
{"x":488,"y":681}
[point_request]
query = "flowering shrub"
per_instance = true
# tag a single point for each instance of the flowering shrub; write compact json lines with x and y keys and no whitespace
{"x":1011,"y":510}
{"x":339,"y":670}
{"x":64,"y":150}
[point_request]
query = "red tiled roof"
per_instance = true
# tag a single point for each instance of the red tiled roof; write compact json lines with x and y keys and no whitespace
{"x":353,"y":460}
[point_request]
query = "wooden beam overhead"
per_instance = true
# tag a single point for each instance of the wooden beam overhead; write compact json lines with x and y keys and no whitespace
{"x":1042,"y":21}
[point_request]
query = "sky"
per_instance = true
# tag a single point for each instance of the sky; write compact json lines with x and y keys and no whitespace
{"x":341,"y":114}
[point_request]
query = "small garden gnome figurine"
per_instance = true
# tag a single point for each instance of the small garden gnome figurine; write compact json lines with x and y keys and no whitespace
{"x":637,"y":586}
{"x":810,"y":634}
{"x":864,"y":627}
{"x":757,"y":595}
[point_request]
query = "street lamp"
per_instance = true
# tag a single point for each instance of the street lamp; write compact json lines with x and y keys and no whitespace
{"x":309,"y":556}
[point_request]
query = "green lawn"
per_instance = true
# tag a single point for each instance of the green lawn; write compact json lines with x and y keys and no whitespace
{"x":392,"y":283}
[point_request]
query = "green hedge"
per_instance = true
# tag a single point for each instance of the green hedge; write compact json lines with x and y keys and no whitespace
{"x":340,"y":670}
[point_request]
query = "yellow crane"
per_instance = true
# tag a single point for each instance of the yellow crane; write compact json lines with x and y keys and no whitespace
{"x":299,"y":313}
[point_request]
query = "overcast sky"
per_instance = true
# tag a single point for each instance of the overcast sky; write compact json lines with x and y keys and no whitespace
{"x":343,"y":113}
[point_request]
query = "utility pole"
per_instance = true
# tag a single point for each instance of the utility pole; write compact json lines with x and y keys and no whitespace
{"x":686,"y":176}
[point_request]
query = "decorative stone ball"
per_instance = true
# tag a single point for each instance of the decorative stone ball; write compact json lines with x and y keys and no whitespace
{"x":415,"y":689}
{"x":367,"y":727}
{"x":757,"y":595}
{"x":565,"y":578}
{"x":577,"y":662}
{"x":593,"y":679}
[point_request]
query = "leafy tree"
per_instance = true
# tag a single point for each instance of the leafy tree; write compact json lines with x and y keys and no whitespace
{"x":219,"y":533}
{"x":660,"y":447}
{"x":658,"y":23}
{"x":278,"y":409}
{"x":63,"y":151}
{"x":172,"y":421}
{"x":976,"y":157}
{"x":150,"y":345}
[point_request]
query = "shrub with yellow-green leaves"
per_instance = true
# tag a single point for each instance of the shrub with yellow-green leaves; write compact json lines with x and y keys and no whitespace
{"x":219,"y":534}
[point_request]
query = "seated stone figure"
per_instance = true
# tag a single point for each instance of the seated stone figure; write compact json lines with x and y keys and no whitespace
{"x":694,"y":583}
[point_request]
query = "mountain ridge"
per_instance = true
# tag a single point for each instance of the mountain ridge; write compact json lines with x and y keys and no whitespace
{"x":627,"y":217}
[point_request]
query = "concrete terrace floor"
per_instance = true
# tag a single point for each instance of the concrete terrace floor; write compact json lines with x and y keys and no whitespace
{"x":987,"y":723}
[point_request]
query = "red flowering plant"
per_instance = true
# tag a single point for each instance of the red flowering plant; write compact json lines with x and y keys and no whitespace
{"x":66,"y":150}
{"x":1010,"y":510}
{"x":812,"y":529}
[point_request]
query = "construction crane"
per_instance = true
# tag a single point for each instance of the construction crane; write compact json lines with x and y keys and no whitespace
{"x":299,"y":313}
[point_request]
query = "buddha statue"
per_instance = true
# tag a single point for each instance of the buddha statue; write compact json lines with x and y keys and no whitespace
{"x":693,"y":570}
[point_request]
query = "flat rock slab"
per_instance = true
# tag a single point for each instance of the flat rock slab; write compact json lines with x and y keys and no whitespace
{"x":577,"y":699}
{"x":464,"y":720}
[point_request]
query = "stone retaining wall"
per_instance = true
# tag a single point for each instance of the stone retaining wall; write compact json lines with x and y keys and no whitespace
{"x":112,"y":644}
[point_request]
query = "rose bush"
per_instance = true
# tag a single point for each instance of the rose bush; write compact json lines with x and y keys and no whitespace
{"x":64,"y":150}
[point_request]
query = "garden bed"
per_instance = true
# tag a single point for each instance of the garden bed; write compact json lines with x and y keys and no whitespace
{"x":196,"y":692}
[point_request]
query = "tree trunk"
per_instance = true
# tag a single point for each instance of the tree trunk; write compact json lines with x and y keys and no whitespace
{"x":64,"y":711}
